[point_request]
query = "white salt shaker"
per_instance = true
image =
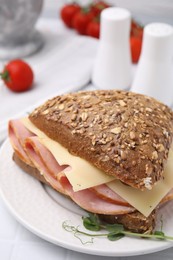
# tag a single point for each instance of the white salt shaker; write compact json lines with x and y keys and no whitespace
{"x":154,"y":75}
{"x":112,"y":68}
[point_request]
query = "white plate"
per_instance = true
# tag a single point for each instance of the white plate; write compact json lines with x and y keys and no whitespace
{"x":42,"y":211}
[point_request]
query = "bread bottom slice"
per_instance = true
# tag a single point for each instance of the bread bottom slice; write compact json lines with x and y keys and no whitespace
{"x":135,"y":221}
{"x":34,"y":172}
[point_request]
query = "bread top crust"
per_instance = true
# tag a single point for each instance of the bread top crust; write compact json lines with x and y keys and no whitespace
{"x":125,"y":134}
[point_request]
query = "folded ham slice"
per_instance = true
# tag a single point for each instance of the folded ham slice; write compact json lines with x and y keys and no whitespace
{"x":104,"y":192}
{"x":88,"y":200}
{"x":45,"y":162}
{"x":18,"y":133}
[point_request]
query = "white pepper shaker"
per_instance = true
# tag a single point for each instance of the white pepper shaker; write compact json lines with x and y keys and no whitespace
{"x":154,"y":75}
{"x":112,"y":68}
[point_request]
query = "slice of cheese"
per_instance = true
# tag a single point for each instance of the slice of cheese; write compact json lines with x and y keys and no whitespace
{"x":83,"y":175}
{"x":146,"y":201}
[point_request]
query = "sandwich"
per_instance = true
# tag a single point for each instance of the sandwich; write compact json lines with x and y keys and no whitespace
{"x":109,"y":151}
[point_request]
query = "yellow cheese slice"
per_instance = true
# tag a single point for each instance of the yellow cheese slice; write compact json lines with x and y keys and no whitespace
{"x":83,"y":175}
{"x":146,"y":201}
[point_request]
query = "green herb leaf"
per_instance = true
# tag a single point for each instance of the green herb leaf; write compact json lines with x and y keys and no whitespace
{"x":88,"y":224}
{"x":113,"y":236}
{"x":92,"y":222}
{"x":94,"y":218}
{"x":159,"y":233}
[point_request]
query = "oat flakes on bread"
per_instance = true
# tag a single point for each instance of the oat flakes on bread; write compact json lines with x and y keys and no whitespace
{"x":126,"y":135}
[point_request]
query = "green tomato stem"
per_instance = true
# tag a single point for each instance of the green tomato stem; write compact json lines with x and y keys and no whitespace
{"x":5,"y":75}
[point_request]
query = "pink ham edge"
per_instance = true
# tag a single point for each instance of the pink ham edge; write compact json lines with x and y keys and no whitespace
{"x":45,"y":162}
{"x":17,"y":134}
{"x":89,"y":201}
{"x":104,"y":192}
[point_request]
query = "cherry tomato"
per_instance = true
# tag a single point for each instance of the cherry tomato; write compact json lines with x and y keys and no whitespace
{"x":93,"y":29}
{"x":98,"y":6}
{"x":17,"y":76}
{"x":67,"y":13}
{"x":136,"y":30}
{"x":136,"y":45}
{"x":81,"y":20}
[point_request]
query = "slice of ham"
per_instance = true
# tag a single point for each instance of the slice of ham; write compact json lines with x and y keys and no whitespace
{"x":17,"y":134}
{"x":105,"y":193}
{"x":88,"y":200}
{"x":44,"y":161}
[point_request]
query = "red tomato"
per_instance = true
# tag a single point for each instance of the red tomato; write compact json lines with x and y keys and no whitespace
{"x":98,"y":6}
{"x":81,"y":20}
{"x":67,"y":13}
{"x":136,"y":45}
{"x":93,"y":29}
{"x":17,"y":75}
{"x":136,"y":30}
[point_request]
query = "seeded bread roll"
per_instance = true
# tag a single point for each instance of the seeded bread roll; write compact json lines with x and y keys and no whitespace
{"x":126,"y":135}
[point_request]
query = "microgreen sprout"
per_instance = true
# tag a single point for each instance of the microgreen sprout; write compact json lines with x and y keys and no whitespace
{"x":113,"y":231}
